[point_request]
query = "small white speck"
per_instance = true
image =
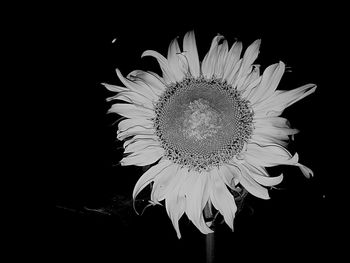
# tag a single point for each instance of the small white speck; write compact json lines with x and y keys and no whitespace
{"x":323,"y":196}
{"x":113,"y":41}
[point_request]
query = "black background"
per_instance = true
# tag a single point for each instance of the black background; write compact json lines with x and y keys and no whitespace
{"x":93,"y":210}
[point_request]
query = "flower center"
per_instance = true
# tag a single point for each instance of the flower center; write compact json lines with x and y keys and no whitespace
{"x":202,"y":123}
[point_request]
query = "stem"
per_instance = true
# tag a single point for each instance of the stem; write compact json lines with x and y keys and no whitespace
{"x":209,"y":244}
{"x":209,"y":239}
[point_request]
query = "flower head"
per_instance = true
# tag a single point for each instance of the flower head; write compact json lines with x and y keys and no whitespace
{"x":206,"y":126}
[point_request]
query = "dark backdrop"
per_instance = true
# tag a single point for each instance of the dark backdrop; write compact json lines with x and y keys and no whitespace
{"x":93,"y":209}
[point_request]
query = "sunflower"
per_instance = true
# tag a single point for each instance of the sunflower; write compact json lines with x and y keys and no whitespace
{"x":209,"y":128}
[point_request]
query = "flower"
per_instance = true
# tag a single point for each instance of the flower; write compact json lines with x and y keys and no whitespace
{"x":206,"y":126}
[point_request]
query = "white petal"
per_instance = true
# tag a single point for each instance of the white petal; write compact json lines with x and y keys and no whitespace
{"x":206,"y":191}
{"x":266,"y":139}
{"x":140,"y":137}
{"x":231,"y":79}
{"x":149,"y":175}
{"x":221,"y":59}
{"x":137,"y":87}
{"x":249,"y":57}
{"x":251,"y":87}
{"x":175,"y":206}
{"x":133,"y":98}
{"x":269,"y":82}
{"x":275,"y":132}
{"x":194,"y":188}
{"x":191,"y":53}
{"x":128,"y":123}
{"x":248,"y":182}
{"x":114,"y":88}
{"x":147,"y":156}
{"x":222,"y":199}
{"x":250,"y":82}
{"x":175,"y":201}
{"x":232,"y":59}
{"x":275,"y":105}
{"x":174,"y":60}
{"x":269,"y":155}
{"x":278,"y":122}
{"x":121,"y":135}
{"x":141,"y":145}
{"x":168,"y":75}
{"x":131,"y":111}
{"x":204,"y":176}
{"x":272,"y":129}
{"x":209,"y":61}
{"x":151,"y":79}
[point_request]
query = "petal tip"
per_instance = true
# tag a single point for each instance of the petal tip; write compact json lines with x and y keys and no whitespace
{"x":146,"y":53}
{"x":307,"y":172}
{"x":257,"y":42}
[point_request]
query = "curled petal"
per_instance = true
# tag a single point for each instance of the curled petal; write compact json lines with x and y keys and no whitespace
{"x":168,"y":75}
{"x":136,"y":86}
{"x":260,"y":175}
{"x":305,"y":170}
{"x":248,"y":182}
{"x":269,"y":155}
{"x":149,"y":175}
